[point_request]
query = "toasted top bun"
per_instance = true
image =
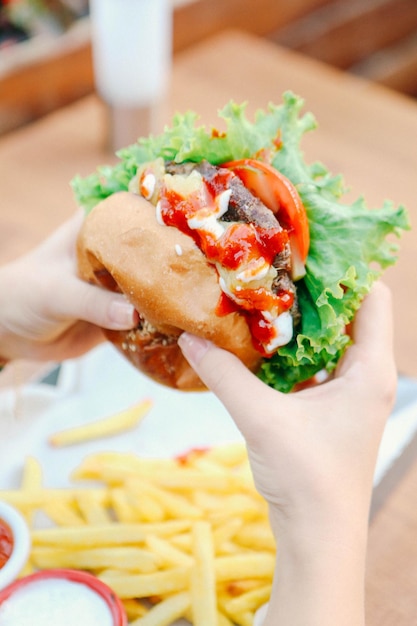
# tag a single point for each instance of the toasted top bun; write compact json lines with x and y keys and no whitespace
{"x":168,"y":280}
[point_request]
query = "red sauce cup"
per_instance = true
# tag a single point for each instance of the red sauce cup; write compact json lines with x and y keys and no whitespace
{"x":18,"y":542}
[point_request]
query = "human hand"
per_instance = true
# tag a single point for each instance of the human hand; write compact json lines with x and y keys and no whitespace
{"x":313,"y":455}
{"x":46,"y":311}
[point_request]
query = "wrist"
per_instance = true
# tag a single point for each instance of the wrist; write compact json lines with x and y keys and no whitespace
{"x":320,"y":572}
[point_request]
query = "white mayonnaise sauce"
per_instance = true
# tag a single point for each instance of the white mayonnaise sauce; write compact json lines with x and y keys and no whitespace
{"x":57,"y":602}
{"x":283,"y":326}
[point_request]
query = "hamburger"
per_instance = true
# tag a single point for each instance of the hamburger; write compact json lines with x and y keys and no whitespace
{"x":229,"y":234}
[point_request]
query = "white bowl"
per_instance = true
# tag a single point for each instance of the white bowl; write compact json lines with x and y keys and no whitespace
{"x":21,"y":544}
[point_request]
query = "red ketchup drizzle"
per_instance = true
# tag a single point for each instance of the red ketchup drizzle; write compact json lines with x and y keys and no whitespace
{"x":187,"y":457}
{"x":6,"y":543}
{"x":240,"y":243}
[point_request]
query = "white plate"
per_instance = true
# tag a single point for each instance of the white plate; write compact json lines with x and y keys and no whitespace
{"x":95,"y":386}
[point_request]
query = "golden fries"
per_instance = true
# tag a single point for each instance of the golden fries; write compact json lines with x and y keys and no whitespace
{"x":203,"y":576}
{"x":166,"y":612}
{"x":106,"y":427}
{"x":185,"y":537}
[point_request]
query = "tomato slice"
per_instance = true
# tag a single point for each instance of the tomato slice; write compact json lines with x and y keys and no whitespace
{"x":278,"y":194}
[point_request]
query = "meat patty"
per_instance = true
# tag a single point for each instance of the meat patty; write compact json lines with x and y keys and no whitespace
{"x":245,"y":207}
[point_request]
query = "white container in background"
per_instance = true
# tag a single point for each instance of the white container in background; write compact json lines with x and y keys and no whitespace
{"x":132,"y":55}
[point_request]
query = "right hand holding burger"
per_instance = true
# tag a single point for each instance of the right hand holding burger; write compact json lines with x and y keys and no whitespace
{"x":313,"y":456}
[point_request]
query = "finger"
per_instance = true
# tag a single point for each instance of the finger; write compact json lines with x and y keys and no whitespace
{"x":373,"y":326}
{"x":372,"y":350}
{"x":96,"y":305}
{"x":228,"y":378}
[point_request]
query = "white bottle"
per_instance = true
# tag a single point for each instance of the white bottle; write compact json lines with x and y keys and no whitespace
{"x":132,"y":53}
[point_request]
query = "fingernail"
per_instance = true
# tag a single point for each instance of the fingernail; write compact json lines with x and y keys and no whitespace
{"x":122,"y":314}
{"x":193,"y":348}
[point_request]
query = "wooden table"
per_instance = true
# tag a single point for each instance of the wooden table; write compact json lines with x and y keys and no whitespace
{"x":365,"y":131}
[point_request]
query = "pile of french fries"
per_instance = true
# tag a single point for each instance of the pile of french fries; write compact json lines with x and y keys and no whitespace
{"x":184,"y":537}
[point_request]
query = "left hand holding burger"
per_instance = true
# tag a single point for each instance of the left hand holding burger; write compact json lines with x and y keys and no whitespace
{"x":46,"y":311}
{"x":313,"y":455}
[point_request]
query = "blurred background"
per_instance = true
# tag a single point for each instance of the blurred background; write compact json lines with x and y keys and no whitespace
{"x":46,"y":60}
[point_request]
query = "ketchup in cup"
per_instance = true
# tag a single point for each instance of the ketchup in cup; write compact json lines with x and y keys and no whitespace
{"x":63,"y":597}
{"x":14,"y":543}
{"x":6,"y":542}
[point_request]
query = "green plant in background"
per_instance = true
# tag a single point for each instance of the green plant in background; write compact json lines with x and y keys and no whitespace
{"x":33,"y":17}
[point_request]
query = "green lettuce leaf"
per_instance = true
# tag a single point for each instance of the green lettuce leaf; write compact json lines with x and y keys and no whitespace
{"x":350,"y":245}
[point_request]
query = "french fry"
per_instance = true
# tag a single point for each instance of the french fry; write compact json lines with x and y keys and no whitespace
{"x":106,"y":427}
{"x":32,"y":474}
{"x":166,"y":612}
{"x":32,"y":479}
{"x":38,"y":498}
{"x":106,"y":534}
{"x":168,"y":553}
{"x":229,"y":455}
{"x":248,"y":601}
{"x":144,"y":585}
{"x":63,"y":513}
{"x":256,"y":535}
{"x":124,"y":558}
{"x":134,"y":608}
{"x":246,"y":565}
{"x":203,"y":580}
{"x":175,"y":505}
{"x":227,"y":531}
{"x":93,"y":507}
{"x":146,"y":506}
{"x":243,"y":619}
{"x":118,"y":466}
{"x":122,"y":506}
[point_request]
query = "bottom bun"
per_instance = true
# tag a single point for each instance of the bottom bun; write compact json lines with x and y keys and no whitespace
{"x":167,"y":278}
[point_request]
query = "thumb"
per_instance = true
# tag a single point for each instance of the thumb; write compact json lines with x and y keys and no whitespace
{"x":96,"y":305}
{"x":228,"y":378}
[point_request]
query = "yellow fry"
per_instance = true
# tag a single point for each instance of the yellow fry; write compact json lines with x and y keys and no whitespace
{"x":238,"y":505}
{"x":93,"y":507}
{"x":223,"y":620}
{"x":124,"y":558}
{"x":106,"y":427}
{"x":182,"y":541}
{"x":168,"y":553}
{"x":249,"y":601}
{"x":175,"y":505}
{"x":243,"y":619}
{"x":166,"y":612}
{"x":121,"y":505}
{"x":63,"y":513}
{"x":40,"y":497}
{"x":158,"y":583}
{"x":229,"y":455}
{"x":32,"y":474}
{"x":119,"y":465}
{"x":146,"y":507}
{"x":105,"y":534}
{"x":226,"y":531}
{"x":203,"y":581}
{"x":257,"y":536}
{"x":31,"y":480}
{"x":245,"y":565}
{"x":191,"y":479}
{"x":134,"y":608}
